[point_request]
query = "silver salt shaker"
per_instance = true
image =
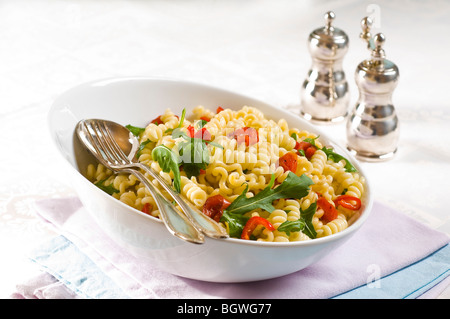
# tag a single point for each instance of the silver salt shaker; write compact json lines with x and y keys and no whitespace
{"x":324,"y":94}
{"x":373,"y":127}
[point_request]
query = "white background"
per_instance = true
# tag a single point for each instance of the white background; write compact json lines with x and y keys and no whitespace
{"x":256,"y":48}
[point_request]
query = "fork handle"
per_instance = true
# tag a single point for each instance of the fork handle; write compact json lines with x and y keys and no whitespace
{"x":176,"y":222}
{"x":205,"y":224}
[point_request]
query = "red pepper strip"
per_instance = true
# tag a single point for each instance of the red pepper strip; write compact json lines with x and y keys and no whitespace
{"x":147,"y":208}
{"x":347,"y":201}
{"x":214,"y":207}
{"x":251,"y":225}
{"x":157,"y":121}
{"x":205,"y":118}
{"x":219,"y":109}
{"x":190,"y":129}
{"x":289,"y":162}
{"x":330,"y":212}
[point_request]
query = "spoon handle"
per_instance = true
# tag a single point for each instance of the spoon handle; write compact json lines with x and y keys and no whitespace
{"x":205,"y":224}
{"x":176,"y":222}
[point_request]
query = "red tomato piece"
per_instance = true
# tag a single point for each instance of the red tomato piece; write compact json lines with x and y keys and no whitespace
{"x":330,"y":212}
{"x":347,"y":201}
{"x":147,"y":208}
{"x":219,"y":109}
{"x":307,"y":148}
{"x":310,"y":152}
{"x":251,"y":225}
{"x":289,"y":162}
{"x":157,"y":121}
{"x":203,"y":134}
{"x":247,"y":135}
{"x":214,"y":207}
{"x":302,"y":145}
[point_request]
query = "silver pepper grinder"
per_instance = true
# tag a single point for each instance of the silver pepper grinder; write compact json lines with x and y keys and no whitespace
{"x":324,"y":94}
{"x":373,"y":127}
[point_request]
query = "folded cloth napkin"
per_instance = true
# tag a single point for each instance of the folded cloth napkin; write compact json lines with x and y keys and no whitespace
{"x":391,"y":256}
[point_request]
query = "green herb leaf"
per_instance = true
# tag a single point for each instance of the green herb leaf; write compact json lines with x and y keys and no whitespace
{"x":307,"y":216}
{"x":332,"y":155}
{"x":135,"y":130}
{"x":168,"y":161}
{"x":194,"y":154}
{"x":201,"y":123}
{"x":176,"y":133}
{"x":292,"y":226}
{"x":336,"y":158}
{"x":292,"y":187}
{"x":183,"y":115}
{"x":194,"y":151}
{"x":304,"y":223}
{"x":311,"y":141}
{"x":108,"y":189}
{"x":236,"y":223}
{"x":141,"y":147}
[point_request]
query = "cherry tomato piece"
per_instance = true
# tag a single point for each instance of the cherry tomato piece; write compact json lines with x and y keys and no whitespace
{"x":310,"y":152}
{"x":289,"y":162}
{"x":147,"y":208}
{"x":330,"y":212}
{"x":307,"y":148}
{"x":157,"y":121}
{"x":203,"y":134}
{"x":247,"y":135}
{"x":214,"y":207}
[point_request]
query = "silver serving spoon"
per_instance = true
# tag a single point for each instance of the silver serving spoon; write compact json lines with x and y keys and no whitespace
{"x":126,"y":145}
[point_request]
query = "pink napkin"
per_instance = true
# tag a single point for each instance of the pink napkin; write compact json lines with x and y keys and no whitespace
{"x":389,"y":241}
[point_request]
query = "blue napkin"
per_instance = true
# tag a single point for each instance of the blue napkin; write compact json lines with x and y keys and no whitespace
{"x":409,"y":282}
{"x":64,"y":261}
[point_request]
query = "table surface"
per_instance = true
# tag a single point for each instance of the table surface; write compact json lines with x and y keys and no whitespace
{"x":256,"y":48}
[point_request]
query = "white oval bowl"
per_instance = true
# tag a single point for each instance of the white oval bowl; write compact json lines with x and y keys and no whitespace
{"x":136,"y":101}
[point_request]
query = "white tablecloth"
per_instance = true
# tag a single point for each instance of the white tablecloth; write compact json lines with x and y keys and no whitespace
{"x":256,"y":48}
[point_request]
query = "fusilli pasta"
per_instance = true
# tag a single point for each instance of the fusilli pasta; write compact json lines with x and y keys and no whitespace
{"x":243,"y":166}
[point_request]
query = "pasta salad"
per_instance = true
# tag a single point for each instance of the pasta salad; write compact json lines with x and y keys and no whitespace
{"x":261,"y":179}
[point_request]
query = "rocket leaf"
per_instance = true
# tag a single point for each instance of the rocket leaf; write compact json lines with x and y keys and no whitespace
{"x":168,"y":161}
{"x":292,"y":187}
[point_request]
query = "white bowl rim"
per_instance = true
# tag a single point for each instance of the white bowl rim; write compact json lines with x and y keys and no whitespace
{"x":316,"y":241}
